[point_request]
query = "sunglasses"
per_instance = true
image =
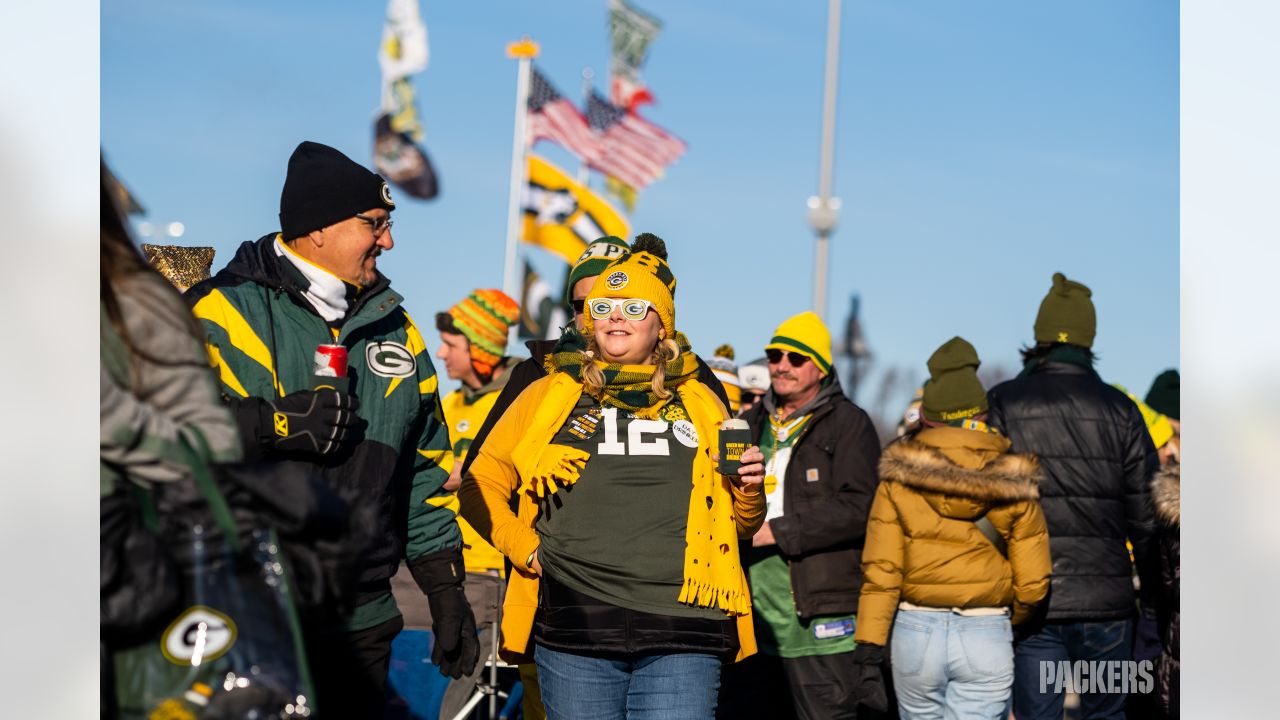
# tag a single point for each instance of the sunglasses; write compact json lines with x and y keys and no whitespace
{"x":378,"y":225}
{"x":632,"y":308}
{"x":795,"y":358}
{"x":576,"y":306}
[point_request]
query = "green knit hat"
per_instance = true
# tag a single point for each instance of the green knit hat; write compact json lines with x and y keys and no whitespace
{"x":953,"y":390}
{"x":1163,"y":397}
{"x":594,"y":259}
{"x":1066,"y":314}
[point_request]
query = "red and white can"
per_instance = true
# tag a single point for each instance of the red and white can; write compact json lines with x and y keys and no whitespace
{"x":331,"y":361}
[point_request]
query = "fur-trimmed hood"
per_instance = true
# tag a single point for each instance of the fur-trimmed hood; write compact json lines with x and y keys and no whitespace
{"x":1166,"y":491}
{"x":1008,"y":478}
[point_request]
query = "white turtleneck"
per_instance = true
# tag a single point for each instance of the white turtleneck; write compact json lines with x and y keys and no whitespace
{"x":327,"y":293}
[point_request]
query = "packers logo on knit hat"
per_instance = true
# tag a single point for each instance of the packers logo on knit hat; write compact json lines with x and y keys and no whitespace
{"x":616,"y":280}
{"x":386,"y":194}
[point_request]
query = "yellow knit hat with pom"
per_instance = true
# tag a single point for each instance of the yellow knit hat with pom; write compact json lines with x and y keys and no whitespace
{"x":641,"y":273}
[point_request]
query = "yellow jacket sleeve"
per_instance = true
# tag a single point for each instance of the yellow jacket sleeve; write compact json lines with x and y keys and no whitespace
{"x":1029,"y":560}
{"x":491,"y":481}
{"x":748,"y":510}
{"x":882,"y":570}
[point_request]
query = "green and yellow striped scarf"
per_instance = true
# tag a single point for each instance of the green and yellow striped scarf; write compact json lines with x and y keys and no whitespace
{"x":627,"y":387}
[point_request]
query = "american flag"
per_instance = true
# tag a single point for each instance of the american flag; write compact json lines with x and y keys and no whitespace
{"x":633,"y":149}
{"x":554,"y":118}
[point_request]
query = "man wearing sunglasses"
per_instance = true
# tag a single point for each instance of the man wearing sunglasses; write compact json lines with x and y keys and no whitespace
{"x":821,"y":453}
{"x":378,"y":442}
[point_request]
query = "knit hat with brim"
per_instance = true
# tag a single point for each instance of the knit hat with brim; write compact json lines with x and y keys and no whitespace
{"x":641,"y":273}
{"x":595,"y":259}
{"x":1165,"y":393}
{"x":953,"y":390}
{"x":726,"y":371}
{"x":1066,"y":314}
{"x":324,"y":187}
{"x":806,"y":334}
{"x":484,"y":317}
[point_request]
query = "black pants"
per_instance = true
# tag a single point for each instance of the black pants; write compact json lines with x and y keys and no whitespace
{"x":349,"y":669}
{"x":818,"y":687}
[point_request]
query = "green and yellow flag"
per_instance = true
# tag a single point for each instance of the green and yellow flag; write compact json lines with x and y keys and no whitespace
{"x":562,"y":216}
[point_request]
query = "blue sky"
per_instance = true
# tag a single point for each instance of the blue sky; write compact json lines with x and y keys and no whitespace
{"x":980,"y":147}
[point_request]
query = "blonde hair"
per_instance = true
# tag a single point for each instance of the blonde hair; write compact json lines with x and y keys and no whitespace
{"x":593,"y":378}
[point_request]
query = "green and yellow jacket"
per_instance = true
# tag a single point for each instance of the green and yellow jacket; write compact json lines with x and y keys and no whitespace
{"x":262,"y":336}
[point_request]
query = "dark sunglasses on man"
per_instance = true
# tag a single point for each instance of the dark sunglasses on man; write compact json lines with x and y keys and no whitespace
{"x":795,"y":358}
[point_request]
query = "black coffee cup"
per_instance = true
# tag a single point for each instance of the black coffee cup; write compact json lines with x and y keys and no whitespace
{"x":735,"y":438}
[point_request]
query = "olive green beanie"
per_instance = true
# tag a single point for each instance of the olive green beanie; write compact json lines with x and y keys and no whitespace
{"x":1066,"y":314}
{"x":953,"y":390}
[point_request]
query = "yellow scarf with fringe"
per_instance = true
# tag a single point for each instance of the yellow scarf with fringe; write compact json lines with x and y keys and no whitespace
{"x":713,"y":574}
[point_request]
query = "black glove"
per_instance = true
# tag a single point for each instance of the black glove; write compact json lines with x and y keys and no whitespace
{"x":311,"y":421}
{"x":868,"y":677}
{"x":457,"y":647}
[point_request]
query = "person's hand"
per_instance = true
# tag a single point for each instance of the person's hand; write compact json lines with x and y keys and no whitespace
{"x":312,"y":421}
{"x":536,"y":565}
{"x":457,"y":647}
{"x":750,"y":475}
{"x":455,"y":477}
{"x":763,"y":536}
{"x":868,"y":677}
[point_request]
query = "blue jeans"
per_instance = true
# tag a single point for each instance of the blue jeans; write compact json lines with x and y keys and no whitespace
{"x":947,"y":665}
{"x":1069,"y":641}
{"x":679,"y":686}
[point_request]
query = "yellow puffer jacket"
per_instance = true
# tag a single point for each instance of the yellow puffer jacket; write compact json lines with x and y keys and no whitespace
{"x":922,"y":545}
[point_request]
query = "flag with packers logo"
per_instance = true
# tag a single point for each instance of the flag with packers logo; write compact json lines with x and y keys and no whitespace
{"x":562,"y":216}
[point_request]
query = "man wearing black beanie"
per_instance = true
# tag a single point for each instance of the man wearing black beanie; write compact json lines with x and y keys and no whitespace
{"x":375,"y":436}
{"x":1097,"y":460}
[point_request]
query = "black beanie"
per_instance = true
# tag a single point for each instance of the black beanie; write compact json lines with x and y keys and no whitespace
{"x":1165,"y":393}
{"x":324,"y":187}
{"x":1066,"y":314}
{"x":953,"y":390}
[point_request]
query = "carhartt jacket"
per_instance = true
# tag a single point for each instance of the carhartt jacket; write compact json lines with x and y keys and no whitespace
{"x":262,"y":338}
{"x":830,"y":482}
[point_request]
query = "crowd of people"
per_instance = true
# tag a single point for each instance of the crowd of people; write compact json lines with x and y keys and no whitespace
{"x":1005,"y":546}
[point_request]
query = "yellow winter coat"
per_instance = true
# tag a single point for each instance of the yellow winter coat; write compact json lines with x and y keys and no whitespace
{"x":922,"y":545}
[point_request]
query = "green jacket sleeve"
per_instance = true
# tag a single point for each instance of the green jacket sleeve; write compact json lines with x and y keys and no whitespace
{"x":432,"y":509}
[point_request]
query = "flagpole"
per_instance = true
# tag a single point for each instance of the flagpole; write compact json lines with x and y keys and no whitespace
{"x":524,"y":51}
{"x":824,"y":210}
{"x":584,"y":176}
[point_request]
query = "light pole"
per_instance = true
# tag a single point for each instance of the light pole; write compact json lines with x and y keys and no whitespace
{"x":824,"y":210}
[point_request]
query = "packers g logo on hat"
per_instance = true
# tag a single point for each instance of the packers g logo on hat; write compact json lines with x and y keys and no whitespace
{"x":617,"y":280}
{"x":386,"y":194}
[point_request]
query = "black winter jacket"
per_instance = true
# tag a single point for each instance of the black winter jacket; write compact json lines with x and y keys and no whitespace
{"x":824,"y":526}
{"x":1098,"y":459}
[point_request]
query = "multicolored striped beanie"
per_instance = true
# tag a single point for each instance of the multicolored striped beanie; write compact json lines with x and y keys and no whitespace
{"x":483,"y":318}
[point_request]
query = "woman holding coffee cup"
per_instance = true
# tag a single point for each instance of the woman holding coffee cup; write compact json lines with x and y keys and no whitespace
{"x":627,"y":589}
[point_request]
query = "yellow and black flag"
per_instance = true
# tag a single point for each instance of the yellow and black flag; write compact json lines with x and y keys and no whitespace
{"x":562,"y":216}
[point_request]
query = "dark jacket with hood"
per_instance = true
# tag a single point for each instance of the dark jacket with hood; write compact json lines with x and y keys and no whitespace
{"x":527,"y":371}
{"x":262,"y":335}
{"x":827,"y":493}
{"x":1166,"y":491}
{"x":923,"y":545}
{"x":1098,"y":460}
